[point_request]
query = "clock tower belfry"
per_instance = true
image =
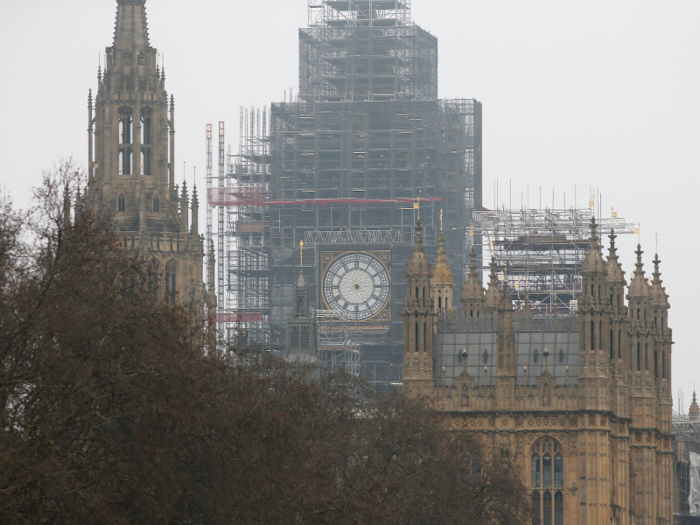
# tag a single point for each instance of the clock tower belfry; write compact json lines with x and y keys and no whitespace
{"x":131,"y":161}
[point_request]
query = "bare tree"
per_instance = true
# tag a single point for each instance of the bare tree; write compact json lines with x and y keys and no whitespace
{"x":111,"y":413}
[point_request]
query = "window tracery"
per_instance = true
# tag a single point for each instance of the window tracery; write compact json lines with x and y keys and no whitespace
{"x":547,"y":482}
{"x":171,"y":281}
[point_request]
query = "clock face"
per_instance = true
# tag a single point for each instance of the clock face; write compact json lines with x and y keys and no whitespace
{"x":356,"y":286}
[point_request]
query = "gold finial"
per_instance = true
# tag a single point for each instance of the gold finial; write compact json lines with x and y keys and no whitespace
{"x":613,"y":212}
{"x":638,"y":231}
{"x":441,"y":228}
{"x":471,"y":231}
{"x":591,"y":203}
{"x":416,"y":206}
{"x":301,"y":252}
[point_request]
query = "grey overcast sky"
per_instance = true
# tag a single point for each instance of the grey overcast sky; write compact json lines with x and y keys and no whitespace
{"x":601,"y":94}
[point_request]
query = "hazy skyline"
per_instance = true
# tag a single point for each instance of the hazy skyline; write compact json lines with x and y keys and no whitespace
{"x":595,"y":94}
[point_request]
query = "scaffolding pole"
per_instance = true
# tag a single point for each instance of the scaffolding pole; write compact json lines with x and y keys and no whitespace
{"x":539,"y":252}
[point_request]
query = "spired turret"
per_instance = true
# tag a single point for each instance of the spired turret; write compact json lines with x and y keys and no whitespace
{"x":639,"y":307}
{"x":594,"y":325}
{"x":694,"y":411}
{"x":593,"y":305}
{"x":492,"y":298}
{"x":442,"y":284}
{"x":418,"y":320}
{"x":659,"y":297}
{"x":616,"y":284}
{"x":472,"y":298}
{"x":302,"y":334}
{"x":662,"y":342}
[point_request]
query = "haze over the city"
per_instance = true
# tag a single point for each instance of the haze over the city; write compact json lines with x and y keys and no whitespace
{"x":576,"y":96}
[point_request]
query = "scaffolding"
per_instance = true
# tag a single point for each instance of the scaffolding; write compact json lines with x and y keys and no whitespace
{"x":687,"y":434}
{"x":342,"y":165}
{"x":539,"y":252}
{"x":365,"y":50}
{"x":336,"y":346}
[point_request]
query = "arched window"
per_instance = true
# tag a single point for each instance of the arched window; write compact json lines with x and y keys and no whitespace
{"x":171,"y":281}
{"x":156,"y":204}
{"x":146,"y":140}
{"x":439,"y":304}
{"x":486,"y":356}
{"x":121,"y":203}
{"x":126,"y":124}
{"x":154,"y":276}
{"x":294,"y":337}
{"x":561,"y":355}
{"x":535,"y":356}
{"x":547,"y":482}
{"x":425,"y":337}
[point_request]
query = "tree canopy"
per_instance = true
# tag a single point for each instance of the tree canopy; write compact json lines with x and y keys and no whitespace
{"x":113,"y":412}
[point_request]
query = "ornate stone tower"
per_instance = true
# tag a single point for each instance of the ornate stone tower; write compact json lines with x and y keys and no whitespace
{"x":472,"y":298}
{"x":418,"y":320}
{"x":301,"y":332}
{"x":131,"y":152}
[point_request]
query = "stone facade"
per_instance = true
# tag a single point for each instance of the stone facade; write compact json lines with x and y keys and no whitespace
{"x":131,"y":151}
{"x":583,"y":402}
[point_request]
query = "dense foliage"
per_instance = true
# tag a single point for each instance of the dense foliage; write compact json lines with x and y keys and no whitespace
{"x":111,"y":411}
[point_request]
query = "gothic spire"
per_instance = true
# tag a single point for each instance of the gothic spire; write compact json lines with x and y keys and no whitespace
{"x":493,"y":294}
{"x":694,"y":412}
{"x":593,"y":262}
{"x":639,"y":287}
{"x":658,"y":292}
{"x":442,"y":273}
{"x":131,"y":28}
{"x":418,"y":263}
{"x":615,"y":272}
{"x":473,"y":289}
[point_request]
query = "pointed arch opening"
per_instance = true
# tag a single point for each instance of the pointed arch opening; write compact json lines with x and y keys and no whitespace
{"x":415,"y":337}
{"x":126,"y":125}
{"x":171,"y":281}
{"x":146,"y":140}
{"x":547,"y":481}
{"x":121,"y":203}
{"x":156,"y":204}
{"x":154,"y":277}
